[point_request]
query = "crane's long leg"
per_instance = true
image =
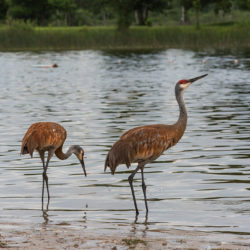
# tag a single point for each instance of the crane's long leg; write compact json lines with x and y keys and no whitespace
{"x":144,"y":187}
{"x":41,"y":153}
{"x":50,"y":154}
{"x":130,"y":179}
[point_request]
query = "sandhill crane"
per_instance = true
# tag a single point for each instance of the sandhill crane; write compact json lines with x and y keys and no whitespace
{"x":144,"y":144}
{"x":49,"y":136}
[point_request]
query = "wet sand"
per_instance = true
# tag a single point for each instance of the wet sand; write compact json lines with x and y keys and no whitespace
{"x":41,"y":236}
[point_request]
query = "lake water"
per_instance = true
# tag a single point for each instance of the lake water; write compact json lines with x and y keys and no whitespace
{"x":202,"y":184}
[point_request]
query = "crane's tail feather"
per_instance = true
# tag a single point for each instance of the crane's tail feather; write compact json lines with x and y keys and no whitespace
{"x":118,"y":154}
{"x":24,"y":150}
{"x":109,"y":162}
{"x":106,"y":164}
{"x":29,"y":145}
{"x":28,"y":149}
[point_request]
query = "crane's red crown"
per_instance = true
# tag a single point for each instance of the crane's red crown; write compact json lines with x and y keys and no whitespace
{"x":183,"y":81}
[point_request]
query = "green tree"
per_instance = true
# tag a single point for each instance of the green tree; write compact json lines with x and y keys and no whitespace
{"x":185,"y":6}
{"x":223,"y":5}
{"x":38,"y":11}
{"x":142,"y":8}
{"x":197,"y":7}
{"x":3,"y":9}
{"x":99,"y":9}
{"x":63,"y":9}
{"x":124,"y":10}
{"x":243,"y":4}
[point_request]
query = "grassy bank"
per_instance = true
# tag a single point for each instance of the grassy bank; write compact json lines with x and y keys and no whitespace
{"x":24,"y":37}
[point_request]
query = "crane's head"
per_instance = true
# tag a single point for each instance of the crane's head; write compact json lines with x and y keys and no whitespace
{"x":184,"y":83}
{"x":79,"y":153}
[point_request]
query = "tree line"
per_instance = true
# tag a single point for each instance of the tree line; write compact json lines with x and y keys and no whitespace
{"x":104,"y":12}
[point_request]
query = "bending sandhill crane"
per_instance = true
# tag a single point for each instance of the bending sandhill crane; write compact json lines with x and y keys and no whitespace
{"x":49,"y":136}
{"x":145,"y":144}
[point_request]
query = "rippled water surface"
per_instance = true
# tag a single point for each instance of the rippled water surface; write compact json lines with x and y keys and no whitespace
{"x":203,"y":183}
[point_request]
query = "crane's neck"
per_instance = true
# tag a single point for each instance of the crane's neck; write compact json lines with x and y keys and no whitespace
{"x":63,"y":156}
{"x":182,"y":121}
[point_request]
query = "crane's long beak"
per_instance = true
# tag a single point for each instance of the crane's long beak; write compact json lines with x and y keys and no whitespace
{"x":196,"y":78}
{"x":83,"y":167}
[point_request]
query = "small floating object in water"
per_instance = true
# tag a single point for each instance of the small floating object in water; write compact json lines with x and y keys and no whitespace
{"x":236,"y":61}
{"x":204,"y":61}
{"x":54,"y":65}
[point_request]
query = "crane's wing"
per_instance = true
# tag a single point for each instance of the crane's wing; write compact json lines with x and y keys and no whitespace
{"x":28,"y":143}
{"x":149,"y":142}
{"x":140,"y":144}
{"x":42,"y":136}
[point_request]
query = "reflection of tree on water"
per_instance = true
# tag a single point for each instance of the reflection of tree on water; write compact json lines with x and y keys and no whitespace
{"x":130,"y":105}
{"x":234,"y":114}
{"x":137,"y":93}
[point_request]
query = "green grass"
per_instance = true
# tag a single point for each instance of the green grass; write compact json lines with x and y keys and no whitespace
{"x":2,"y":244}
{"x":132,"y":243}
{"x":26,"y":37}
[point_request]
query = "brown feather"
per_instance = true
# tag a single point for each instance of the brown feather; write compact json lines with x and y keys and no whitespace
{"x":143,"y":144}
{"x":42,"y":136}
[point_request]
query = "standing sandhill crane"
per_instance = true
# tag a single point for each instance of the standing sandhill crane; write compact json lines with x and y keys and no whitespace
{"x":144,"y":144}
{"x":49,"y":136}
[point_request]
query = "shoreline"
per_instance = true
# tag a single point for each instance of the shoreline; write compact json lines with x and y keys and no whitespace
{"x":60,"y":236}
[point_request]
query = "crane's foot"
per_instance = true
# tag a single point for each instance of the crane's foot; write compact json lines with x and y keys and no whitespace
{"x":136,"y":218}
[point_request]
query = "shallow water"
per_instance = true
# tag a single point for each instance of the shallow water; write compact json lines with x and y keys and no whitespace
{"x":203,"y":183}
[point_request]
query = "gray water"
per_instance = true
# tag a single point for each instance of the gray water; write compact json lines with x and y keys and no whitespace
{"x":203,"y":183}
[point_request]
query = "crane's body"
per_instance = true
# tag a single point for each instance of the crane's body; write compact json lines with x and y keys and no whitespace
{"x":49,"y":136}
{"x":145,"y":144}
{"x":42,"y":136}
